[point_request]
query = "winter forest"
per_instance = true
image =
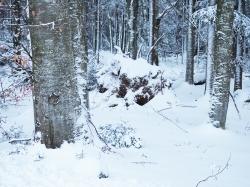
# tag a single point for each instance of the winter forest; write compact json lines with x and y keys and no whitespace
{"x":124,"y":93}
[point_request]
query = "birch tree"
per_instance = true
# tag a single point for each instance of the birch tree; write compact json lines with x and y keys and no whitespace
{"x":55,"y":35}
{"x":222,"y":58}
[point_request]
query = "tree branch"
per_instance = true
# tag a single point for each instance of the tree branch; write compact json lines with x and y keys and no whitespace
{"x":216,"y":174}
{"x":235,"y":104}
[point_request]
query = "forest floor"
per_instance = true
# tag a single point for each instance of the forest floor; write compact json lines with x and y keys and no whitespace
{"x":177,"y":146}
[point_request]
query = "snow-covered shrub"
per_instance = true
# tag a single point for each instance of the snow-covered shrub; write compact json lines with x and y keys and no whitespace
{"x":120,"y":136}
{"x":134,"y":81}
{"x":15,"y":78}
{"x":9,"y":133}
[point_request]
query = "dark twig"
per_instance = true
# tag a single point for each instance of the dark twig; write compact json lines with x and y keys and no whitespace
{"x":235,"y":105}
{"x":216,"y":174}
{"x":174,"y":123}
{"x":99,"y":136}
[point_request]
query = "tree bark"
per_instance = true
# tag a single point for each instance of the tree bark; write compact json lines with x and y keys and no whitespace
{"x":210,"y":54}
{"x":154,"y":32}
{"x":190,"y":45}
{"x":58,"y":108}
{"x":17,"y":30}
{"x":223,"y":55}
{"x":239,"y":53}
{"x":133,"y":7}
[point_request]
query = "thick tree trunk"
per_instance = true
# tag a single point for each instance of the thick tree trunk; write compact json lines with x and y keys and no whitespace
{"x":222,"y":58}
{"x":239,"y":54}
{"x":57,"y":103}
{"x":133,"y":7}
{"x":210,"y":54}
{"x":190,"y":46}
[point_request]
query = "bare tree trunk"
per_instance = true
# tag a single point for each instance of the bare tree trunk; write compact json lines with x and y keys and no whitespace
{"x":133,"y":7}
{"x":17,"y":30}
{"x":239,"y":54}
{"x":111,"y":34}
{"x":190,"y":45}
{"x":247,"y":8}
{"x":123,"y":33}
{"x":222,"y":57}
{"x":97,"y":29}
{"x":210,"y":54}
{"x":117,"y":28}
{"x":55,"y":41}
{"x":184,"y":35}
{"x":154,"y":32}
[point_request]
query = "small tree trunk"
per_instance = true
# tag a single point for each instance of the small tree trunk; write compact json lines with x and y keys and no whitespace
{"x":110,"y":34}
{"x":133,"y":7}
{"x":222,"y":57}
{"x":190,"y":46}
{"x":97,"y":29}
{"x":239,"y":54}
{"x":154,"y":32}
{"x":210,"y":54}
{"x":17,"y":30}
{"x":123,"y":33}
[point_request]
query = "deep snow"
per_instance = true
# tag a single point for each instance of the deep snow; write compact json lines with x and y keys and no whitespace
{"x":179,"y":147}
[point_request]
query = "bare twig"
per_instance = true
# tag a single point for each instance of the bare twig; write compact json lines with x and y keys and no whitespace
{"x":235,"y":104}
{"x":216,"y":174}
{"x":164,"y":109}
{"x":155,"y":44}
{"x":167,"y":9}
{"x":99,"y":136}
{"x":174,"y":123}
{"x":187,"y":106}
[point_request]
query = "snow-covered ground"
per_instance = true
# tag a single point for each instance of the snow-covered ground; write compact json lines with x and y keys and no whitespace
{"x":179,"y":148}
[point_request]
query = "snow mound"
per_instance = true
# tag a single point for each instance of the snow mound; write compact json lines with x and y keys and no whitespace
{"x":134,"y":80}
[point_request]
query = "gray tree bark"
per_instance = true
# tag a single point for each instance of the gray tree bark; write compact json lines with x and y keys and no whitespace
{"x":223,"y":55}
{"x":210,"y":54}
{"x":58,"y":108}
{"x":247,"y":7}
{"x":17,"y":30}
{"x":239,"y":53}
{"x":190,"y":45}
{"x":133,"y":7}
{"x":154,"y":31}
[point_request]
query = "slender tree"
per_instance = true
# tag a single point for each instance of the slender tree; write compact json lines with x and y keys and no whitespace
{"x":210,"y":54}
{"x":239,"y":52}
{"x":223,"y":55}
{"x":154,"y":32}
{"x":58,"y":107}
{"x":190,"y":45}
{"x":132,"y":8}
{"x":17,"y":30}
